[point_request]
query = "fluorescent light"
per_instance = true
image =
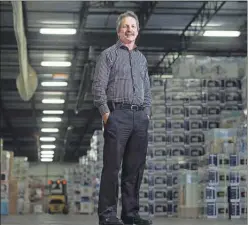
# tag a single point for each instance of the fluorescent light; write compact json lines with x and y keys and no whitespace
{"x":59,"y":22}
{"x":53,"y":101}
{"x":56,"y":63}
{"x":46,"y":156}
{"x":48,"y":146}
{"x":47,"y":138}
{"x":53,"y":111}
{"x":167,"y":76}
{"x":51,"y":119}
{"x":53,"y":93}
{"x":54,"y":84}
{"x":221,"y":33}
{"x":66,"y":31}
{"x":245,"y":112}
{"x":47,"y":152}
{"x":49,"y":130}
{"x":46,"y":160}
{"x":208,"y":24}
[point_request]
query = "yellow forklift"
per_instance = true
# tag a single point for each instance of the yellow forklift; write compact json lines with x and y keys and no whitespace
{"x":57,"y":199}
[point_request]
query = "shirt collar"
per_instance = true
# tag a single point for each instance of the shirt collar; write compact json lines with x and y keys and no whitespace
{"x":119,"y":44}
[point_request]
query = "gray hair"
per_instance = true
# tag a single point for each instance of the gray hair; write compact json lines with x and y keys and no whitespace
{"x":124,"y":15}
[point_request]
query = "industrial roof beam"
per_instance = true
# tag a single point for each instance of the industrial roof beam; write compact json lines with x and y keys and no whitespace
{"x":105,"y":39}
{"x":86,"y":80}
{"x":80,"y":31}
{"x":146,"y":10}
{"x":194,"y":29}
{"x":83,"y":14}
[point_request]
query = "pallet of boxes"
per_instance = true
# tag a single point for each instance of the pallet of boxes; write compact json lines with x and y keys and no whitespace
{"x":14,"y":186}
{"x":6,"y":159}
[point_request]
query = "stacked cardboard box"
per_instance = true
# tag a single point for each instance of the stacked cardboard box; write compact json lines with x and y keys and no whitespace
{"x":192,"y":107}
{"x":97,"y":142}
{"x":87,"y":167}
{"x":244,"y":91}
{"x":21,"y":180}
{"x":80,"y":187}
{"x":6,"y":162}
{"x":184,"y":133}
{"x":189,"y":195}
{"x":223,"y":166}
{"x":153,"y":193}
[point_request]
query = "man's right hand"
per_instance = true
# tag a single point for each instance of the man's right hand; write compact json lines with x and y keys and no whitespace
{"x":105,"y":117}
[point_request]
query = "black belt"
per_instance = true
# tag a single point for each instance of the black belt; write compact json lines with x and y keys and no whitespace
{"x":115,"y":105}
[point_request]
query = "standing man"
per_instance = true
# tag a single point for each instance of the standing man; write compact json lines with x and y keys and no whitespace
{"x":121,"y":91}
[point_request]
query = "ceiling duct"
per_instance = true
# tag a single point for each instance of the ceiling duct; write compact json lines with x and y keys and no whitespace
{"x":26,"y":81}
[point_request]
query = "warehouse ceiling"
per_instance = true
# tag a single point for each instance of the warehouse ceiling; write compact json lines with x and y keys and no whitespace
{"x":165,"y":28}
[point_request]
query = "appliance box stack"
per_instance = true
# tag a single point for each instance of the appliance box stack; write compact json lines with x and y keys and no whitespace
{"x":153,"y":192}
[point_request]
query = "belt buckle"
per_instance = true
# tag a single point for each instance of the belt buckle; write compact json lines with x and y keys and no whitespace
{"x":134,"y":107}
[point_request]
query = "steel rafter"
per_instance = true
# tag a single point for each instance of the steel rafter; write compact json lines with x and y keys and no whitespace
{"x":146,"y":10}
{"x":83,"y":14}
{"x":243,"y":33}
{"x":85,"y":82}
{"x":84,"y":11}
{"x":194,"y":29}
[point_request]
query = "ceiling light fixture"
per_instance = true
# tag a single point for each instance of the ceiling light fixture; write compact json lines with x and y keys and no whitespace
{"x":245,"y":112}
{"x":51,"y":119}
{"x":49,"y":130}
{"x":53,"y":93}
{"x":47,"y":138}
{"x":48,"y":146}
{"x":54,"y":84}
{"x":53,"y":101}
{"x":46,"y":159}
{"x":58,"y":31}
{"x":46,"y":156}
{"x":56,"y":63}
{"x":221,"y":33}
{"x":47,"y":152}
{"x":53,"y":111}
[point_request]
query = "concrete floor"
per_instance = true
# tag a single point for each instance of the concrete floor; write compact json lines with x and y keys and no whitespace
{"x":45,"y":219}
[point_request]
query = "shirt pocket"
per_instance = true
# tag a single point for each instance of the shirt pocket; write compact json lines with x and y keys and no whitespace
{"x":123,"y":72}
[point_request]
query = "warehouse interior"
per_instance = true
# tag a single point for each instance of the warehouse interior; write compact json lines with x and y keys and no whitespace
{"x":50,"y":130}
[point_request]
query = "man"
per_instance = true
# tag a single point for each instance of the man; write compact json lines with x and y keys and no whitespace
{"x":121,"y":91}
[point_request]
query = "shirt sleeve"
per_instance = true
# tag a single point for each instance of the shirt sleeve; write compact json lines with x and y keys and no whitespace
{"x":100,"y":83}
{"x":147,"y":97}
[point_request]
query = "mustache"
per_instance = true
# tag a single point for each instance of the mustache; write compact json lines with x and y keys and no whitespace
{"x":127,"y":33}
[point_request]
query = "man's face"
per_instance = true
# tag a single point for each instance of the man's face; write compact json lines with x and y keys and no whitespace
{"x":128,"y":30}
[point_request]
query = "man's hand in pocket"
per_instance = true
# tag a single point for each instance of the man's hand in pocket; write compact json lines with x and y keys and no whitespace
{"x":105,"y":117}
